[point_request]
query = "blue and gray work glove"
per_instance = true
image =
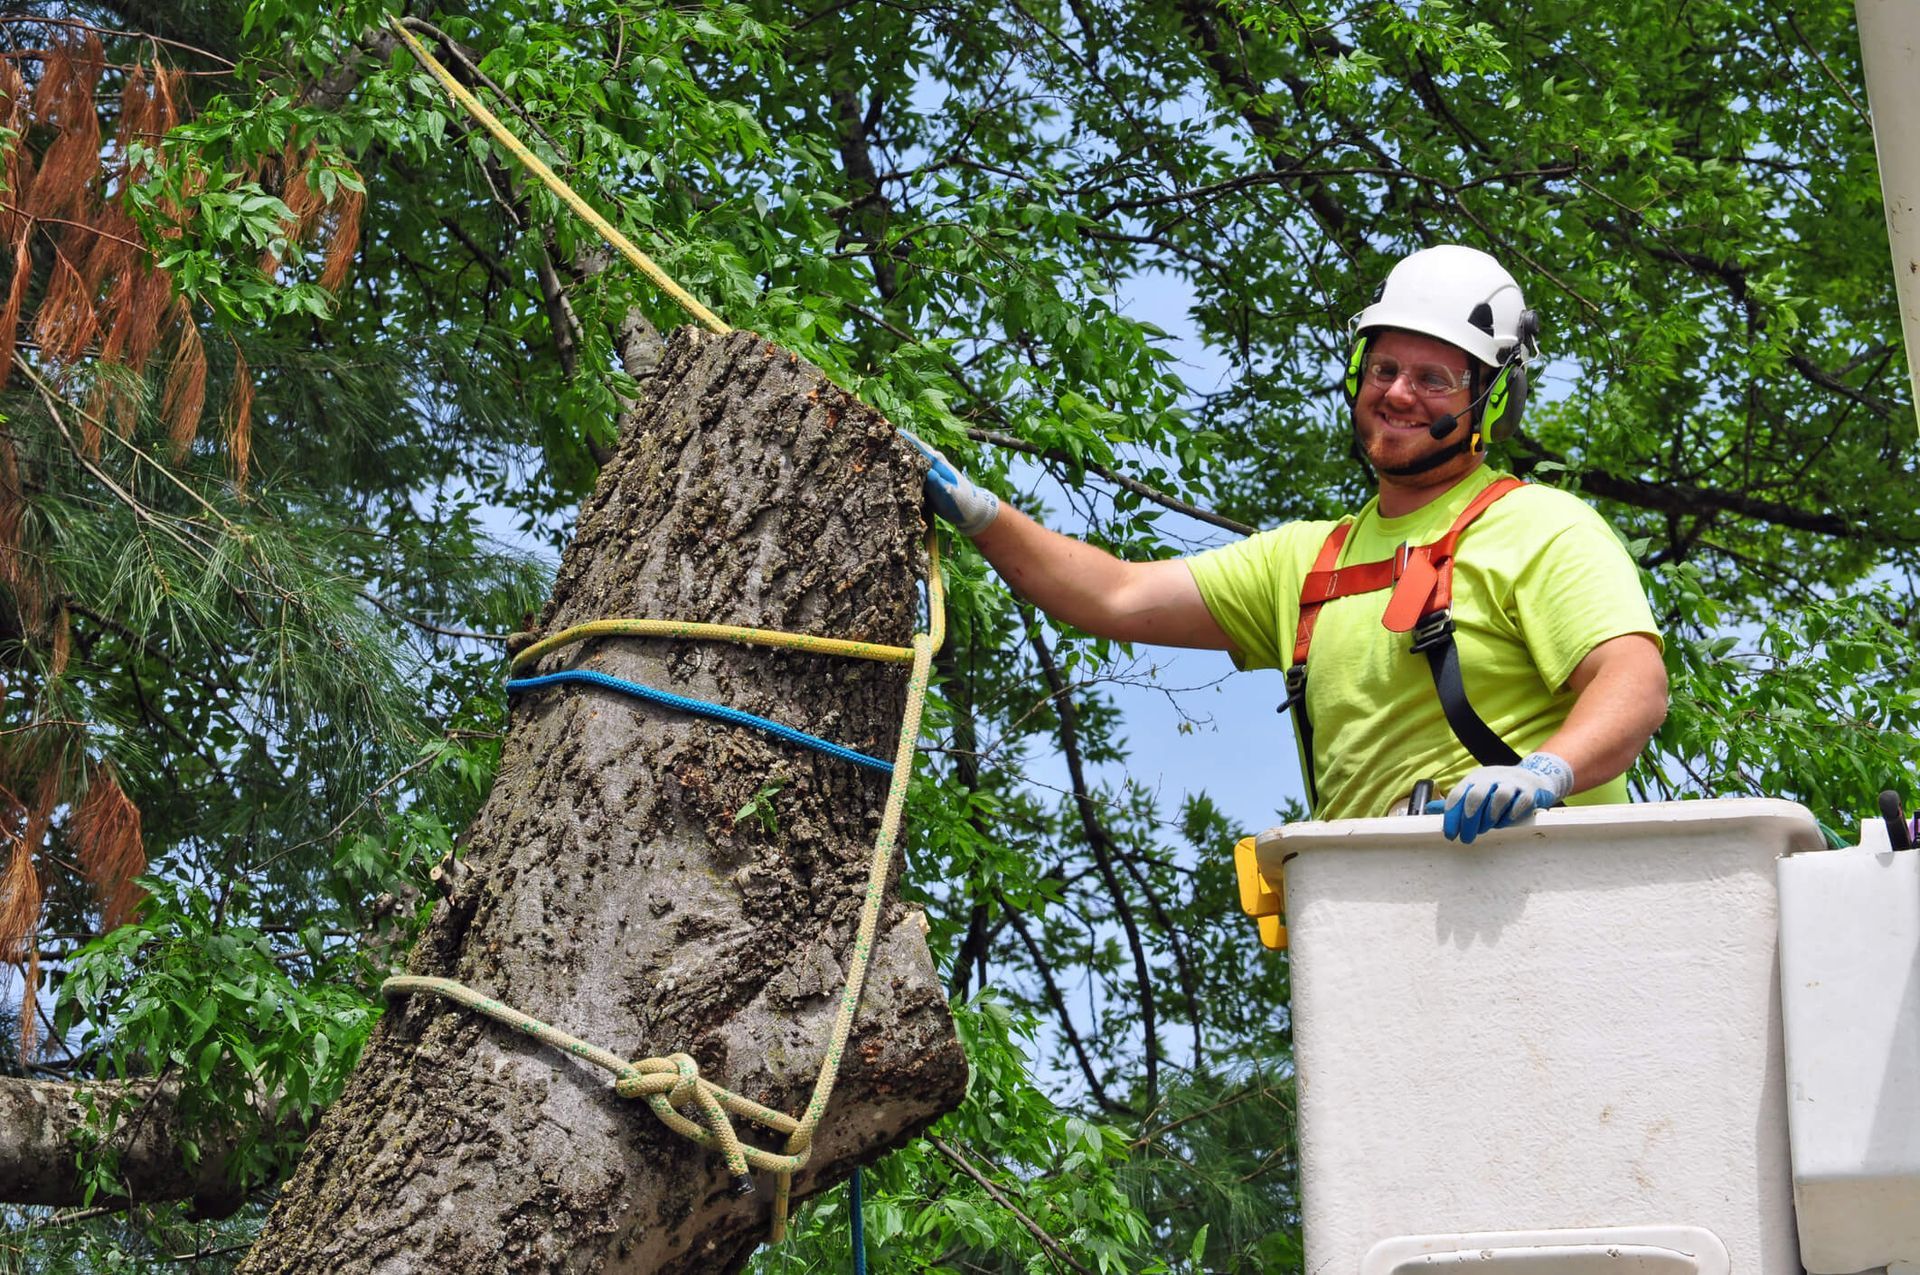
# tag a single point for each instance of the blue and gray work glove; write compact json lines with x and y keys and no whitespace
{"x":1500,"y":796}
{"x":952,"y":494}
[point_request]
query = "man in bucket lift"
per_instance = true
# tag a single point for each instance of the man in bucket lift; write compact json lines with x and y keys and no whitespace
{"x":1523,"y":674}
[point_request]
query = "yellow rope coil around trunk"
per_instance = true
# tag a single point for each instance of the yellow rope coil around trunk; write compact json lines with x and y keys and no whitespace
{"x":717,"y":633}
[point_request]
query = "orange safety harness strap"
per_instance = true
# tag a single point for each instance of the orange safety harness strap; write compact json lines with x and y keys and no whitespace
{"x":1421,"y":578}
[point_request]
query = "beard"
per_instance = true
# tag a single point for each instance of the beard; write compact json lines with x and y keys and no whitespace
{"x":1401,"y":467}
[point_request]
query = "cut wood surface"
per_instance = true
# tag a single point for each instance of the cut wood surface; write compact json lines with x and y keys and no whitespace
{"x":617,"y":892}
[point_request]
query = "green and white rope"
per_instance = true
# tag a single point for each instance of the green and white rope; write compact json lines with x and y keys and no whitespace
{"x":806,"y":642}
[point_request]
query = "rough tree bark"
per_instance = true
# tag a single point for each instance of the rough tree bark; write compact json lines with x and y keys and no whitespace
{"x":615,"y":892}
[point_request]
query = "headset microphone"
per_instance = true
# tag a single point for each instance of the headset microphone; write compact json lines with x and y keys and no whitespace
{"x":1443,"y":425}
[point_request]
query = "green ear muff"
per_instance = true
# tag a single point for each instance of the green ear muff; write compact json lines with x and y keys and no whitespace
{"x":1508,"y":396}
{"x":1497,"y":399}
{"x":1355,"y":362}
{"x":1505,"y":401}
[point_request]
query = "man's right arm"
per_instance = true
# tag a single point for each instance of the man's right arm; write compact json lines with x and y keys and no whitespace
{"x":1087,"y":587}
{"x":1070,"y":580}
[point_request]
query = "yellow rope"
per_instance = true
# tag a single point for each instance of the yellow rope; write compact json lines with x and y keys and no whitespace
{"x":662,"y":1081}
{"x":671,"y":1082}
{"x":607,"y":230}
{"x":715,"y":632}
{"x":800,"y":1142}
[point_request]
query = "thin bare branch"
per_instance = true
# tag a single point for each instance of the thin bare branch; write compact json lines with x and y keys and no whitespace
{"x":1058,"y":1000}
{"x":997,"y":439}
{"x":1100,"y":841}
{"x":27,"y":19}
{"x":428,"y":626}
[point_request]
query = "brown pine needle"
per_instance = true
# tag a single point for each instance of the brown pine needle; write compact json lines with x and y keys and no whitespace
{"x":16,"y":161}
{"x":139,"y":115}
{"x":19,"y":902}
{"x":66,"y":324}
{"x":61,"y":648}
{"x":343,"y":239}
{"x":107,"y":840}
{"x":114,"y":248}
{"x":186,"y":389}
{"x":239,"y":419}
{"x":302,"y":197}
{"x":64,"y":102}
{"x":99,"y":405}
{"x":30,"y":1006}
{"x":18,"y":572}
{"x":16,"y":298}
{"x":144,"y":316}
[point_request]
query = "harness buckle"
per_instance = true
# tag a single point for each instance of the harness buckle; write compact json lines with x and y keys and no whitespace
{"x":1296,"y":676}
{"x":1433,"y":630}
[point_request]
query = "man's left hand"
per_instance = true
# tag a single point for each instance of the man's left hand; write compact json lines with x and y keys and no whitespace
{"x":1500,"y":796}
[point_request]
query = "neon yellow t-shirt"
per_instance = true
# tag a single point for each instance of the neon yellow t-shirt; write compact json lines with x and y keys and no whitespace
{"x":1539,"y":580}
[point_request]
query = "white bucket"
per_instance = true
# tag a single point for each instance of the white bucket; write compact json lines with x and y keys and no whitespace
{"x":1568,"y":1026}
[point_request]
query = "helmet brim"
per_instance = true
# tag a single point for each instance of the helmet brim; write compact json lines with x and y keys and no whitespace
{"x":1374,"y":318}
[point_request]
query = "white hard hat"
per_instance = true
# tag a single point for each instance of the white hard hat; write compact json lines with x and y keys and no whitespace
{"x":1459,"y":295}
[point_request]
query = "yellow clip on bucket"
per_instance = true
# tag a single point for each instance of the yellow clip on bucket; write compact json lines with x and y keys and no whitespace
{"x":1259,"y":900}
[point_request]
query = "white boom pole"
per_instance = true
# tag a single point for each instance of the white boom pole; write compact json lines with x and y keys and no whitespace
{"x":1890,"y":56}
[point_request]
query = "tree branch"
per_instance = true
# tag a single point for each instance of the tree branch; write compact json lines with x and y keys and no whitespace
{"x":1059,"y":1002}
{"x":428,"y":626}
{"x":1686,"y":498}
{"x":27,"y":19}
{"x":1183,"y":967}
{"x":1100,"y":841}
{"x":966,"y":765}
{"x":1009,"y":442}
{"x":1735,"y":280}
{"x":1033,"y":1228}
{"x":41,"y":1121}
{"x":459,"y":54}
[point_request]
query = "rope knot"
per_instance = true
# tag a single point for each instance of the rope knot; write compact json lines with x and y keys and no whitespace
{"x":631,"y":1082}
{"x":686,"y":1086}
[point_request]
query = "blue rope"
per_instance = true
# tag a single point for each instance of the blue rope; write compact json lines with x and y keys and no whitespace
{"x":702,"y":709}
{"x":859,"y":1230}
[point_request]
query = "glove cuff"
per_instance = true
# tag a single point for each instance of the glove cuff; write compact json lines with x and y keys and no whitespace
{"x":977,"y":507}
{"x":1553,"y":770}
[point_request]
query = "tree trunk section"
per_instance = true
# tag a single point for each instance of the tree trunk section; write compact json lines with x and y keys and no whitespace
{"x":615,"y":892}
{"x":42,"y":1121}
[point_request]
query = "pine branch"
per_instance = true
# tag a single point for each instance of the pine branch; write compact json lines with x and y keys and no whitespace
{"x":428,"y":626}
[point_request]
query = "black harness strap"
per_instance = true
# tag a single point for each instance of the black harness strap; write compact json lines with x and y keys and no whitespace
{"x":1443,"y":658}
